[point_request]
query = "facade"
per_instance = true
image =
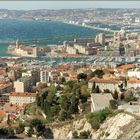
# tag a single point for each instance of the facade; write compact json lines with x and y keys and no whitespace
{"x":71,"y":50}
{"x":35,"y":75}
{"x":100,"y":38}
{"x":43,"y":76}
{"x":133,"y":83}
{"x":85,"y":49}
{"x":24,"y":84}
{"x":29,"y":51}
{"x":21,"y":98}
{"x":134,"y":73}
{"x":100,"y":101}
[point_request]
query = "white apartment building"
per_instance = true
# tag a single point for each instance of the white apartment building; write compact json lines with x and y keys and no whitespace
{"x":43,"y":76}
{"x":23,"y":84}
{"x":111,"y":84}
{"x":20,"y":98}
{"x":134,"y":73}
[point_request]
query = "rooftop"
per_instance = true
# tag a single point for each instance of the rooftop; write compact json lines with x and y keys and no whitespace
{"x":23,"y":94}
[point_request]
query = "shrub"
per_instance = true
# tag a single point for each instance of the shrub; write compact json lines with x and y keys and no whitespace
{"x":84,"y":135}
{"x":95,"y":119}
{"x":113,"y":104}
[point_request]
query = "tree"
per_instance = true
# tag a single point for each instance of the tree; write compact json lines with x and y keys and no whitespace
{"x":93,"y":86}
{"x":75,"y":135}
{"x":84,"y":135}
{"x":115,"y":95}
{"x":122,"y":96}
{"x":9,"y":132}
{"x":73,"y":108}
{"x":113,"y":104}
{"x":42,"y":86}
{"x":37,"y":126}
{"x":98,"y":73}
{"x":64,"y":115}
{"x":81,"y":76}
{"x":97,"y":89}
{"x":125,"y":82}
{"x":21,"y":127}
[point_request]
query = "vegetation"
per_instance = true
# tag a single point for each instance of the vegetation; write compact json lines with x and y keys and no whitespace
{"x":63,"y":106}
{"x":7,"y":132}
{"x":82,"y":135}
{"x":37,"y":127}
{"x":115,"y":95}
{"x":113,"y":104}
{"x":98,"y":73}
{"x":81,"y":76}
{"x":97,"y":118}
{"x":20,"y":128}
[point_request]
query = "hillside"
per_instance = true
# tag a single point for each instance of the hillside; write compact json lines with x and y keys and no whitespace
{"x":121,"y":126}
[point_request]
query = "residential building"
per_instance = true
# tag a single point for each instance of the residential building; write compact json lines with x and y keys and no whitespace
{"x":23,"y":84}
{"x":21,"y":98}
{"x":103,"y":84}
{"x":43,"y":76}
{"x":100,"y":101}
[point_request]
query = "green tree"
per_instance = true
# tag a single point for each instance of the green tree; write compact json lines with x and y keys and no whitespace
{"x":125,"y":82}
{"x":75,"y":135}
{"x":41,"y":86}
{"x":37,"y":126}
{"x":93,"y":86}
{"x":81,"y":76}
{"x":21,"y":127}
{"x":113,"y":104}
{"x":84,"y":135}
{"x":115,"y":95}
{"x":98,"y":73}
{"x":97,"y":89}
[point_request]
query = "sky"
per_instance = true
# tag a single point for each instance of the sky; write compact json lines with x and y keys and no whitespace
{"x":31,"y":5}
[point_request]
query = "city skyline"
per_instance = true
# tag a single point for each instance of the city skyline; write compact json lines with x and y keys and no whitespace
{"x":32,"y":5}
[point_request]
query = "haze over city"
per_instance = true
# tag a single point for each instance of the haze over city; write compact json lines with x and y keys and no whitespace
{"x":28,"y":5}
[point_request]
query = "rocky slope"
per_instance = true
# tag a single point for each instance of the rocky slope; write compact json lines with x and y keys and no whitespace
{"x":123,"y":125}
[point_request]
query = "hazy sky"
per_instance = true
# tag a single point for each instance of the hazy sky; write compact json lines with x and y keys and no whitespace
{"x":27,"y":5}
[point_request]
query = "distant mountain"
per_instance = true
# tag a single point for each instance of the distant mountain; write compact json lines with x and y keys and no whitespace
{"x":64,"y":14}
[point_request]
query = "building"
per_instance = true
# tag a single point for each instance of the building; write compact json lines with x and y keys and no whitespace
{"x":133,"y":83}
{"x":85,"y":49}
{"x":21,"y":98}
{"x":111,"y":84}
{"x":26,"y":51}
{"x":6,"y":88}
{"x":35,"y":75}
{"x":100,"y":101}
{"x":24,"y":84}
{"x":71,"y":50}
{"x":134,"y":73}
{"x":100,"y":38}
{"x":43,"y":76}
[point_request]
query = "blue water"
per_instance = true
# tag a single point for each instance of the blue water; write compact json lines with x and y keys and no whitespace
{"x":11,"y":30}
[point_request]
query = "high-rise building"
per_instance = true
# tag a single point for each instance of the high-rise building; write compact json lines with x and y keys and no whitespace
{"x":24,"y":84}
{"x":43,"y":76}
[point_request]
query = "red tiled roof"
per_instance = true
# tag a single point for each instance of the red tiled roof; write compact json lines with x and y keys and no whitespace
{"x":23,"y":94}
{"x":2,"y":71}
{"x":97,"y":80}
